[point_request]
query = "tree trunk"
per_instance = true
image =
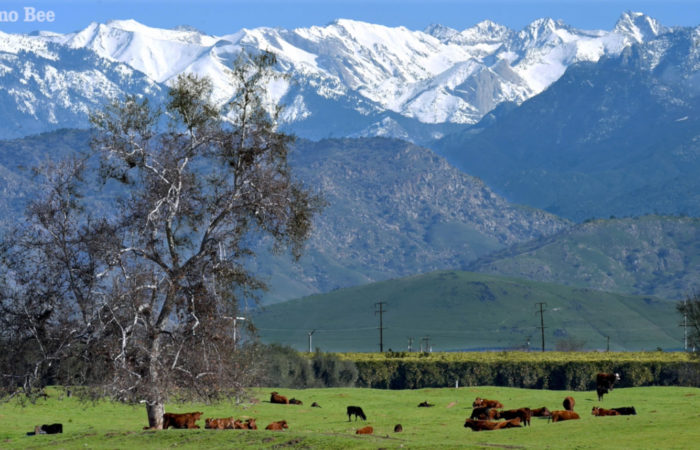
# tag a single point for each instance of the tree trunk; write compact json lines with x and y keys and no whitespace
{"x":155,"y":413}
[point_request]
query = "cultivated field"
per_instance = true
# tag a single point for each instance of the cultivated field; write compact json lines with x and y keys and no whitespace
{"x":667,"y":417}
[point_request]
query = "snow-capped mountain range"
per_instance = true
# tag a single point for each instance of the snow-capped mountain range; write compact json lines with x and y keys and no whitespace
{"x":348,"y":78}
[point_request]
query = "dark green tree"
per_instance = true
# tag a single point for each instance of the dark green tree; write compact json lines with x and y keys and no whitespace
{"x":150,"y":280}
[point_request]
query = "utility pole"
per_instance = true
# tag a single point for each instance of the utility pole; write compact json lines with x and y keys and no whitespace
{"x":380,"y":311}
{"x":607,"y":348}
{"x":541,"y":305}
{"x":685,"y":326}
{"x":310,"y":333}
{"x":410,"y":344}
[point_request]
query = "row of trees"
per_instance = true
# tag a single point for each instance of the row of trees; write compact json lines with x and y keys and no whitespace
{"x":133,"y":292}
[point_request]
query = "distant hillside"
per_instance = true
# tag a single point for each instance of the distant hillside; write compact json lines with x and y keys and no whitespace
{"x":650,"y":255}
{"x":463,"y":310}
{"x":619,"y":137}
{"x":394,"y":209}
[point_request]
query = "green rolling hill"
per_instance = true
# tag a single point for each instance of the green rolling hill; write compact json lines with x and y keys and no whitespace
{"x":467,"y":311}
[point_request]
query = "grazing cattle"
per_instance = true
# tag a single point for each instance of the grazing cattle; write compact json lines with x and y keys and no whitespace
{"x":483,"y":413}
{"x":398,"y":428}
{"x":626,"y":411}
{"x":605,"y":383}
{"x":487,"y":425}
{"x":558,"y":416}
{"x":357,"y":411}
{"x":184,"y":420}
{"x":293,"y":401}
{"x":540,"y":412}
{"x":569,"y":403}
{"x":315,"y":405}
{"x":480,"y":402}
{"x":365,"y":430}
{"x":425,"y":404}
{"x":276,"y":398}
{"x":280,"y":425}
{"x":604,"y":412}
{"x":524,"y":414}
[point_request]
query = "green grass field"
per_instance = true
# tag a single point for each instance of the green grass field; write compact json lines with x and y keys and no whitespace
{"x":667,"y":418}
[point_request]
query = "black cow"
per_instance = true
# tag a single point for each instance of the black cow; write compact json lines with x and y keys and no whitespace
{"x":605,"y":383}
{"x":357,"y":411}
{"x":626,"y":410}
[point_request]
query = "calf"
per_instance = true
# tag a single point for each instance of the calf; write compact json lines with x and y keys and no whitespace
{"x":603,"y":412}
{"x":293,"y":401}
{"x":524,"y":414}
{"x":425,"y":404}
{"x":184,"y":420}
{"x":540,"y":412}
{"x":280,"y":399}
{"x":365,"y":430}
{"x":219,"y":424}
{"x":398,"y":428}
{"x":280,"y":425}
{"x":563,"y":415}
{"x":479,"y":402}
{"x":569,"y":403}
{"x":315,"y":405}
{"x":357,"y":411}
{"x":626,"y":410}
{"x":251,"y":425}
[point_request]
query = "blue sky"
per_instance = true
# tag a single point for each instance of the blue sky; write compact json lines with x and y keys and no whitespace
{"x":223,"y":17}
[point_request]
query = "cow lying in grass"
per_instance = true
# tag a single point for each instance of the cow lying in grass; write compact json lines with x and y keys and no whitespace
{"x":280,"y":425}
{"x":599,"y":412}
{"x":487,"y":425}
{"x":280,"y":399}
{"x":481,"y":402}
{"x":365,"y":430}
{"x":558,"y":416}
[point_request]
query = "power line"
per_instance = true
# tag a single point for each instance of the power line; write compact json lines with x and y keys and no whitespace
{"x":541,"y":305}
{"x":381,"y":324}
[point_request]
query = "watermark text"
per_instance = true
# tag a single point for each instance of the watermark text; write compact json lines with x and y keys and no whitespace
{"x":26,"y":14}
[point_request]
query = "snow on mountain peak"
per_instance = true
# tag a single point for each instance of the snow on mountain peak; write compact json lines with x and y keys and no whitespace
{"x":638,"y":26}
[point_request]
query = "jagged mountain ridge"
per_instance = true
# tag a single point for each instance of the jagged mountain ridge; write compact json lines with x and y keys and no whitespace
{"x":386,"y":80}
{"x":615,"y":138}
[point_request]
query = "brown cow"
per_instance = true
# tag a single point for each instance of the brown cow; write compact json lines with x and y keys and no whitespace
{"x":365,"y":430}
{"x":604,"y":412}
{"x":569,"y":403}
{"x":219,"y":424}
{"x":251,"y":425}
{"x":540,"y":412}
{"x":293,"y":401}
{"x":280,"y":425}
{"x":487,"y":425}
{"x":184,"y":420}
{"x":398,"y":428}
{"x":563,"y":415}
{"x":524,"y":414}
{"x":276,"y":398}
{"x":605,"y":382}
{"x":479,"y":402}
{"x":484,"y":413}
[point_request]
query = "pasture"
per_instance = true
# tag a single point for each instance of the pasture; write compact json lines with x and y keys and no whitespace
{"x":667,"y":417}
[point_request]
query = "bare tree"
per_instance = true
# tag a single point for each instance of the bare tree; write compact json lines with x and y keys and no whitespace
{"x":151,"y":279}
